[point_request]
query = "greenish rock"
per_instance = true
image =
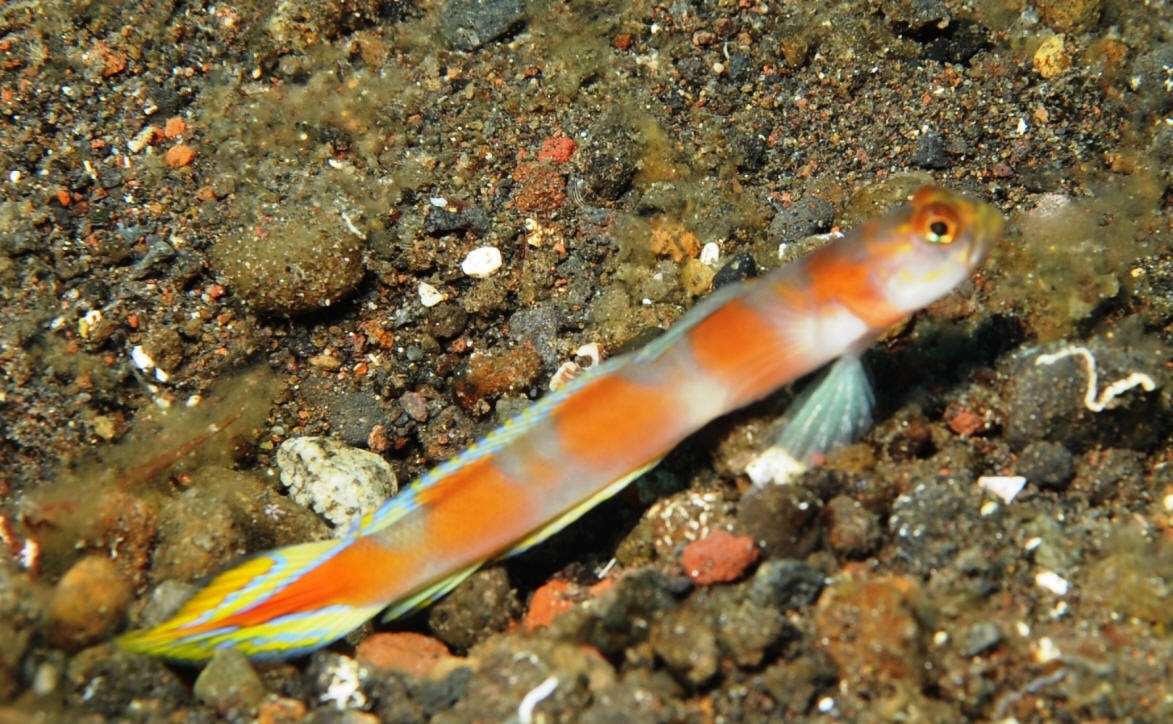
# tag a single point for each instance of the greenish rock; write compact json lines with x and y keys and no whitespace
{"x":295,"y":266}
{"x":686,"y":641}
{"x":228,"y":682}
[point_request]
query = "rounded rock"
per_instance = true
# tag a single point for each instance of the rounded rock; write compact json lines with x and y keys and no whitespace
{"x":853,"y":531}
{"x":294,"y":267}
{"x":719,"y":557}
{"x":404,"y":651}
{"x":339,"y":483}
{"x":784,"y":520}
{"x":229,"y":683}
{"x":88,"y":603}
{"x":482,"y":262}
{"x":686,"y":641}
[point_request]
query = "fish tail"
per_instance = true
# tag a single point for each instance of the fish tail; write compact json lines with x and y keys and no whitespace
{"x":274,"y":605}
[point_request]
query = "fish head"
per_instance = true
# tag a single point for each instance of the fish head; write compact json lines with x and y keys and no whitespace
{"x":930,"y":245}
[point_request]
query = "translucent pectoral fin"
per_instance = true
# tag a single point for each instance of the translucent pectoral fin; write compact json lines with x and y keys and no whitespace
{"x":830,"y":413}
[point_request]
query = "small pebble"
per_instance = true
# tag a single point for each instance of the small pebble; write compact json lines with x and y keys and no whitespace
{"x":196,"y":534}
{"x":853,"y":531}
{"x":179,"y":155}
{"x":298,"y":264}
{"x":429,"y":295}
{"x":687,"y":643}
{"x":1071,"y":16}
{"x":483,"y":605}
{"x":557,"y":150}
{"x":801,"y":219}
{"x":482,"y":262}
{"x":46,"y":679}
{"x":174,"y":127}
{"x":619,"y":617}
{"x":498,"y":372}
{"x":981,"y":638}
{"x":164,"y":601}
{"x":710,"y":253}
{"x":870,"y":629}
{"x":719,"y":557}
{"x":786,"y":584}
{"x":747,"y":631}
{"x":1006,"y":487}
{"x":741,"y":266}
{"x":696,"y":277}
{"x":548,"y":602}
{"x":1052,"y":582}
{"x":442,"y":220}
{"x":784,"y":520}
{"x":1051,"y":58}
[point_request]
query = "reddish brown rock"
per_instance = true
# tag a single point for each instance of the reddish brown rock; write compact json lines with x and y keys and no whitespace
{"x":557,"y":150}
{"x":539,"y":188}
{"x":497,"y":372}
{"x":719,"y":557}
{"x":407,"y":652}
{"x":548,"y":603}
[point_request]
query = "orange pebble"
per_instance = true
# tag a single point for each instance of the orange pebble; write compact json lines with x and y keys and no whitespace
{"x":719,"y":557}
{"x":548,"y":602}
{"x":175,"y":127}
{"x":179,"y":155}
{"x":557,"y":150}
{"x":410,"y":653}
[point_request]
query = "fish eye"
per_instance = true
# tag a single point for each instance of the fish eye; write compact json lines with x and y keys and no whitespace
{"x":939,"y":227}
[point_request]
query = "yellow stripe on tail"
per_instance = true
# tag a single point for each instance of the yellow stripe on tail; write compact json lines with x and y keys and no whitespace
{"x":276,"y":605}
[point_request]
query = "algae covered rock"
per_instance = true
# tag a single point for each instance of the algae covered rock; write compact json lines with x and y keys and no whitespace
{"x":292,"y":266}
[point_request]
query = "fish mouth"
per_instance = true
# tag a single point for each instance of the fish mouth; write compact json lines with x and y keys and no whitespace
{"x":986,"y":230}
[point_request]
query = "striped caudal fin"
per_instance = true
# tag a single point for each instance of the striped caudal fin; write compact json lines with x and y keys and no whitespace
{"x":272,"y":606}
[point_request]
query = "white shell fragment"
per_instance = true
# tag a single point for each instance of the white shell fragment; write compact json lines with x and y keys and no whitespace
{"x":1046,"y":651}
{"x":482,"y":262}
{"x":339,"y":483}
{"x":142,"y":139}
{"x":1052,"y":582}
{"x":344,"y":684}
{"x":1006,"y":487}
{"x":591,"y":352}
{"x":429,"y":295}
{"x":147,"y":364}
{"x":88,"y":321}
{"x":565,"y":373}
{"x":774,"y":465}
